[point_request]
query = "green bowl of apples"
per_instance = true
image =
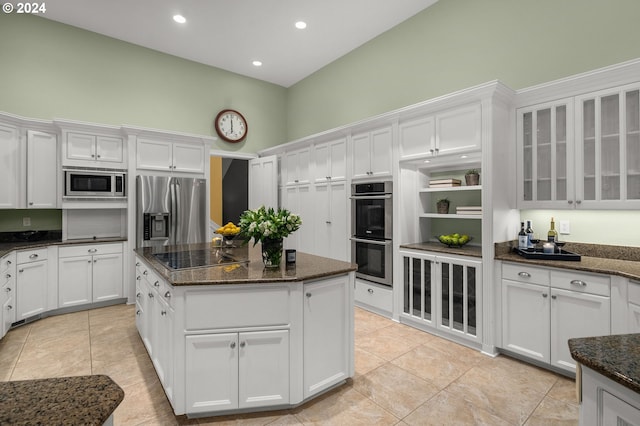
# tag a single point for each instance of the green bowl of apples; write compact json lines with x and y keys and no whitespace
{"x":454,"y":240}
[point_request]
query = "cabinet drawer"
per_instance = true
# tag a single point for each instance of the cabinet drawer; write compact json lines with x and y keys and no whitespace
{"x":373,"y":295}
{"x":26,"y":256}
{"x":525,"y":273}
{"x":90,"y":249}
{"x":584,"y":283}
{"x":634,"y":292}
{"x":237,"y":307}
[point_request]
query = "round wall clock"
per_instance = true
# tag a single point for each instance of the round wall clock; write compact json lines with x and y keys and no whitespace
{"x":231,"y":126}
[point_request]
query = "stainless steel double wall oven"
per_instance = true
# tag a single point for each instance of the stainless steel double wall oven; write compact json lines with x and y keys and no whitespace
{"x":372,"y":226}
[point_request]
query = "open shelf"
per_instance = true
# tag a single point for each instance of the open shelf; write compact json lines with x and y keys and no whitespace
{"x":453,"y":189}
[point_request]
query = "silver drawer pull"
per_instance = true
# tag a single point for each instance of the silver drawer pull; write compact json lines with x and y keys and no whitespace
{"x":145,"y":272}
{"x":524,"y":274}
{"x":163,"y":313}
{"x":20,"y":270}
{"x":33,"y":256}
{"x":7,"y":276}
{"x":554,"y":297}
{"x":138,"y":312}
{"x":156,"y":284}
{"x":545,"y":295}
{"x":167,"y":295}
{"x":93,"y":250}
{"x":308,"y":294}
{"x":138,"y":278}
{"x":578,"y":282}
{"x":8,"y":262}
{"x":370,"y":291}
{"x":243,"y":344}
{"x":233,"y":345}
{"x":150,"y":295}
{"x":9,"y":307}
{"x":137,"y":263}
{"x":8,"y":289}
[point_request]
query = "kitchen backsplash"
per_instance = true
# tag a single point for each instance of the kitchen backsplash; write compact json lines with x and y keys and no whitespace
{"x":618,"y":228}
{"x":38,"y":219}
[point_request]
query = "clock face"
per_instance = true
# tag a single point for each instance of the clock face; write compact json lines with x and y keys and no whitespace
{"x":231,"y":125}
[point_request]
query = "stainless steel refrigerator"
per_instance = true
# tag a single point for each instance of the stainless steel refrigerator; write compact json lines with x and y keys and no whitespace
{"x":170,"y":210}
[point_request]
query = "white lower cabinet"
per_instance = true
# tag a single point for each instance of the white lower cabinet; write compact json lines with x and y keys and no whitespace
{"x":633,"y":307}
{"x":444,"y":292}
{"x":606,"y":402}
{"x":7,"y":292}
{"x":89,"y":273}
{"x":374,"y":297}
{"x":31,"y":283}
{"x":326,"y":340}
{"x":542,"y":308}
{"x":237,"y":370}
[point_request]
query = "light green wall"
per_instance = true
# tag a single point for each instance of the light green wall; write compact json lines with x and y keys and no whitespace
{"x":50,"y":70}
{"x":456,"y":44}
{"x":41,"y":220}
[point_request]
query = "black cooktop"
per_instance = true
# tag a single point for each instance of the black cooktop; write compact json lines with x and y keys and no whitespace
{"x":202,"y":258}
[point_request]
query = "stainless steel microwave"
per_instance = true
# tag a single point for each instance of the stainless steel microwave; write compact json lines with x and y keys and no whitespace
{"x":85,"y":183}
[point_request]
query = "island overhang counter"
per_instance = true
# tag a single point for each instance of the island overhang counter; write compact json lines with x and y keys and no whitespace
{"x":226,"y":335}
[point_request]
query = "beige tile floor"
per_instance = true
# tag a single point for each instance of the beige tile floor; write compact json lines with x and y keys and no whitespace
{"x":403,"y":377}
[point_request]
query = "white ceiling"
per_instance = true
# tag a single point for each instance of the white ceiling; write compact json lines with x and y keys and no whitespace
{"x":230,"y":34}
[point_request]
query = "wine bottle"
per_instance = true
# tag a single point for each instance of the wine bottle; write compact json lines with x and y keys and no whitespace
{"x":552,"y":235}
{"x":529,"y":232}
{"x":522,"y":238}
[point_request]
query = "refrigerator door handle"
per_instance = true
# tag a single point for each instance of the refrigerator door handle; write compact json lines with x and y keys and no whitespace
{"x":173,"y":212}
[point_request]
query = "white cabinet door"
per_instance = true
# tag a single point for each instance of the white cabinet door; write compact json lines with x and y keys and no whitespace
{"x":74,"y":281}
{"x":211,"y":372}
{"x":326,"y":339}
{"x":526,"y":319}
{"x":458,"y":130}
{"x":263,"y":182}
{"x":42,"y":170}
{"x":109,"y":149}
{"x":154,"y":155}
{"x":616,"y":411}
{"x":9,"y":166}
{"x":417,"y":138}
{"x":330,"y":161}
{"x":8,"y":314}
{"x":163,"y":353}
{"x":188,"y":158}
{"x":31,"y":289}
{"x":298,"y":199}
{"x":263,"y":371}
{"x":330,"y":224}
{"x":107,"y":277}
{"x":361,"y":155}
{"x":573,"y":315}
{"x":634,"y":318}
{"x":545,"y":155}
{"x":297,"y":167}
{"x":81,"y":147}
{"x":381,"y":152}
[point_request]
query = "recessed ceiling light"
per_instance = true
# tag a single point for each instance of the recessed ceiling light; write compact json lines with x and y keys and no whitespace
{"x":179,"y":19}
{"x":301,"y":25}
{"x":257,"y":63}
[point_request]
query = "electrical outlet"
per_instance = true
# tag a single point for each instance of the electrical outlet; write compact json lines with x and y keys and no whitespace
{"x":26,"y":221}
{"x":565,"y":229}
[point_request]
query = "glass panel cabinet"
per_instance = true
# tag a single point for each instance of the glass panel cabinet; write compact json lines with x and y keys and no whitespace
{"x":443,"y":292}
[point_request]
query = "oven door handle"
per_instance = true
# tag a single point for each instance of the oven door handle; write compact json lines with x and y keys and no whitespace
{"x":362,"y":240}
{"x":371,"y":197}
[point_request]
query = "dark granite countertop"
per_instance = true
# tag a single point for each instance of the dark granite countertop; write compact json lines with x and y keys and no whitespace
{"x":79,"y":400}
{"x":52,"y":238}
{"x":615,"y":357}
{"x":468,"y":250}
{"x":307,"y":267}
{"x":596,"y":258}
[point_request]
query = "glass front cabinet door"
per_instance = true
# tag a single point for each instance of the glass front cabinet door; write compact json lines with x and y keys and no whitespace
{"x":608,"y":148}
{"x":545,"y":155}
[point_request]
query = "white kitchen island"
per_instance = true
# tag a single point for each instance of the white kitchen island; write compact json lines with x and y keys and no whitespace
{"x":233,"y":337}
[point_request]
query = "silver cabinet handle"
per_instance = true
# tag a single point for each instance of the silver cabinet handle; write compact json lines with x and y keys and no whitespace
{"x":308,"y":294}
{"x":578,"y":201}
{"x":8,"y":289}
{"x":150,"y":295}
{"x":156,"y":284}
{"x":95,"y":260}
{"x":137,"y":263}
{"x":20,"y":270}
{"x":8,"y":262}
{"x":138,"y":278}
{"x":163,"y":313}
{"x":243,"y":344}
{"x":93,"y":250}
{"x":167,"y":295}
{"x":578,"y":282}
{"x":545,"y":295}
{"x":33,"y":256}
{"x":145,"y":272}
{"x":570,"y":201}
{"x":138,"y":295}
{"x":30,"y":203}
{"x":9,"y":307}
{"x":554,"y":297}
{"x":8,"y":276}
{"x":524,"y":274}
{"x":138,"y":312}
{"x":233,"y":345}
{"x":370,"y":291}
{"x":88,"y":261}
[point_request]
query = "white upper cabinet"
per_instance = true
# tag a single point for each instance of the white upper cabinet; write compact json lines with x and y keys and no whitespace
{"x":372,"y":153}
{"x":330,"y":161}
{"x":545,"y":155}
{"x":263,"y":182}
{"x":608,"y":148}
{"x":581,"y":152}
{"x":42,"y":170}
{"x":295,"y":167}
{"x":169,"y":156}
{"x":9,"y":170}
{"x":93,"y":150}
{"x":449,"y":132}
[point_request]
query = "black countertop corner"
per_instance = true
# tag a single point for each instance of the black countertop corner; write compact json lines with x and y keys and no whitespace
{"x":616,"y":357}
